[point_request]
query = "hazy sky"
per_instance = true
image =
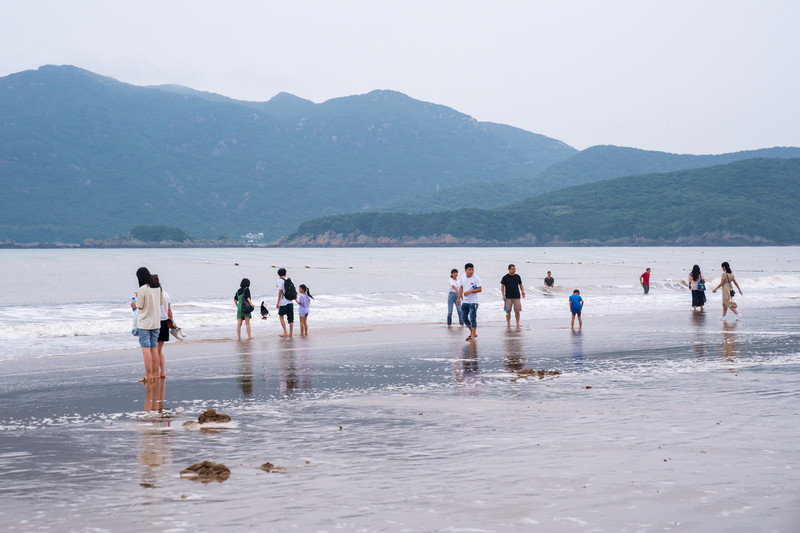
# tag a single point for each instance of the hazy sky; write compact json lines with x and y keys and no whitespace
{"x":681,"y":76}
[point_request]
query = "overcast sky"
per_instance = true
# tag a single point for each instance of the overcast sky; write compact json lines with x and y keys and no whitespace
{"x":679,"y":76}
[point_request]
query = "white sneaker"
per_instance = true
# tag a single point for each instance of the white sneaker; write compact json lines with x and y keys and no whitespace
{"x":722,"y":318}
{"x":738,"y":317}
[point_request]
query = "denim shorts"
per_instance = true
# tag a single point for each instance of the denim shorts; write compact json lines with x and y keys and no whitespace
{"x":148,"y":338}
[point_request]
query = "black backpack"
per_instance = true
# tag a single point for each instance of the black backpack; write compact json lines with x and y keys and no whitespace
{"x":289,"y":290}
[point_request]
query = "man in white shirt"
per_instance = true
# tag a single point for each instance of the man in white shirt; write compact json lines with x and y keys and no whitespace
{"x":468,"y":290}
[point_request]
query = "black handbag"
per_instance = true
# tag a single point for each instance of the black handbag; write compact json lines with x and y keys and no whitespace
{"x":246,"y":307}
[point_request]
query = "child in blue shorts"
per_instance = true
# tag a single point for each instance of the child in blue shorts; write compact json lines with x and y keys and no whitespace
{"x":575,"y":307}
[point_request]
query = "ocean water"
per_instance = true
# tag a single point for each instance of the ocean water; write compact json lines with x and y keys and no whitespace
{"x":62,"y":302}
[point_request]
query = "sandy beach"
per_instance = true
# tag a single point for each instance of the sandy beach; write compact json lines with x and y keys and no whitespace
{"x":685,"y":424}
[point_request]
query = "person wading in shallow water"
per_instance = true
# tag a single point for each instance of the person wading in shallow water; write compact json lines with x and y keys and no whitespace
{"x":469,"y":286}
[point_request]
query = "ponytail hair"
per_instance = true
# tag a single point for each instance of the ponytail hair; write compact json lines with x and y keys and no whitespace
{"x":305,"y":290}
{"x":726,"y":267}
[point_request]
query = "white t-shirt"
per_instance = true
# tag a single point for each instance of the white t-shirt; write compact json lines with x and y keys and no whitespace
{"x":454,"y":285}
{"x":468,"y":284}
{"x":283,"y":301}
{"x":165,"y":306}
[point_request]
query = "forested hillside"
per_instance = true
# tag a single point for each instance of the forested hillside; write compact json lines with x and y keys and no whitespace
{"x":746,"y":202}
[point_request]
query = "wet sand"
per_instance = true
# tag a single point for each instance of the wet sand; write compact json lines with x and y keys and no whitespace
{"x":670,"y":422}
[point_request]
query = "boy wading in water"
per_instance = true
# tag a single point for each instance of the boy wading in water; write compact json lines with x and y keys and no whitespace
{"x":468,"y":288}
{"x":575,"y":307}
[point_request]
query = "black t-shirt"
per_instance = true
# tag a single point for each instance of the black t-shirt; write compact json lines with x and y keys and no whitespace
{"x":511,"y":284}
{"x":239,"y":293}
{"x":549,"y":281}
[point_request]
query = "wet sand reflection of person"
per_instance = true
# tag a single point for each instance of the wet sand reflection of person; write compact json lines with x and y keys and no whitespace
{"x":466,"y":369}
{"x":245,"y":367}
{"x":729,"y":349}
{"x":699,"y":344}
{"x":513,"y":359}
{"x":154,"y":435}
{"x":577,"y":347}
{"x":288,"y":371}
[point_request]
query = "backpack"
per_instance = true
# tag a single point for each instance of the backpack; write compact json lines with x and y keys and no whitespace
{"x":289,"y":290}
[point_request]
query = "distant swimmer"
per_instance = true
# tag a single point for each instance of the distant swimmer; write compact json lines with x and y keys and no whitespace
{"x":549,"y":280}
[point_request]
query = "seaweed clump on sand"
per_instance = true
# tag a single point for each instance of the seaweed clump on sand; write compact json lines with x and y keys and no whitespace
{"x":529,"y":372}
{"x":207,"y":471}
{"x":211,"y":415}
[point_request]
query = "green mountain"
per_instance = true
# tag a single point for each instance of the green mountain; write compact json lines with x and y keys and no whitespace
{"x":86,"y":156}
{"x":593,"y":164}
{"x":745,"y":202}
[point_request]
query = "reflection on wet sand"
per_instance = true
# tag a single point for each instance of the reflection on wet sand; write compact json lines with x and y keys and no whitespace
{"x":729,"y":348}
{"x":513,"y":358}
{"x":154,"y":434}
{"x":699,"y":343}
{"x":245,"y":367}
{"x":465,"y":367}
{"x":287,"y":371}
{"x":577,"y":347}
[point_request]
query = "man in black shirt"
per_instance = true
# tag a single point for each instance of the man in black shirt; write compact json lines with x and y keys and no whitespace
{"x":549,"y":280}
{"x":511,"y":288}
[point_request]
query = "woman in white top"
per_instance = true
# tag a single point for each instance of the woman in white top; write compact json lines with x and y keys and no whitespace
{"x":163,"y":332}
{"x":149,"y":300}
{"x":452,"y":298}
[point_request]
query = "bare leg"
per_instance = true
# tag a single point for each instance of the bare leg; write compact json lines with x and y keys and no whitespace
{"x":247,"y":326}
{"x":291,"y":328}
{"x":516,"y":315}
{"x":154,"y":362}
{"x":580,"y":323}
{"x":148,"y":369}
{"x":239,"y":329}
{"x":162,"y":367}
{"x":283,"y":325}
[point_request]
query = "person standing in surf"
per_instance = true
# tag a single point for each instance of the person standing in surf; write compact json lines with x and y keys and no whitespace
{"x":149,"y":300}
{"x":697,"y":284}
{"x":469,"y":287}
{"x":644,"y":279}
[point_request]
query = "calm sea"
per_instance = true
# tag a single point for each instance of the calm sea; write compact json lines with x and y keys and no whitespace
{"x":62,"y":302}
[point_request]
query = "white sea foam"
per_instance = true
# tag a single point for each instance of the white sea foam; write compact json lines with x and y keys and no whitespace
{"x":83,"y":304}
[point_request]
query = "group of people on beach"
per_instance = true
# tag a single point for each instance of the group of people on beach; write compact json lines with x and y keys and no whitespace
{"x":464,"y":291}
{"x":287,"y":297}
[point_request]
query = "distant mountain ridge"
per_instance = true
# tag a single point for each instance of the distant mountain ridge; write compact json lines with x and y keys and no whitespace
{"x":86,"y":156}
{"x":588,"y":166}
{"x":745,"y":202}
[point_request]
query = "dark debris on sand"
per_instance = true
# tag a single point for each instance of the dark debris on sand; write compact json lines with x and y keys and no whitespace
{"x":207,"y":471}
{"x":211,"y":415}
{"x":530,"y":372}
